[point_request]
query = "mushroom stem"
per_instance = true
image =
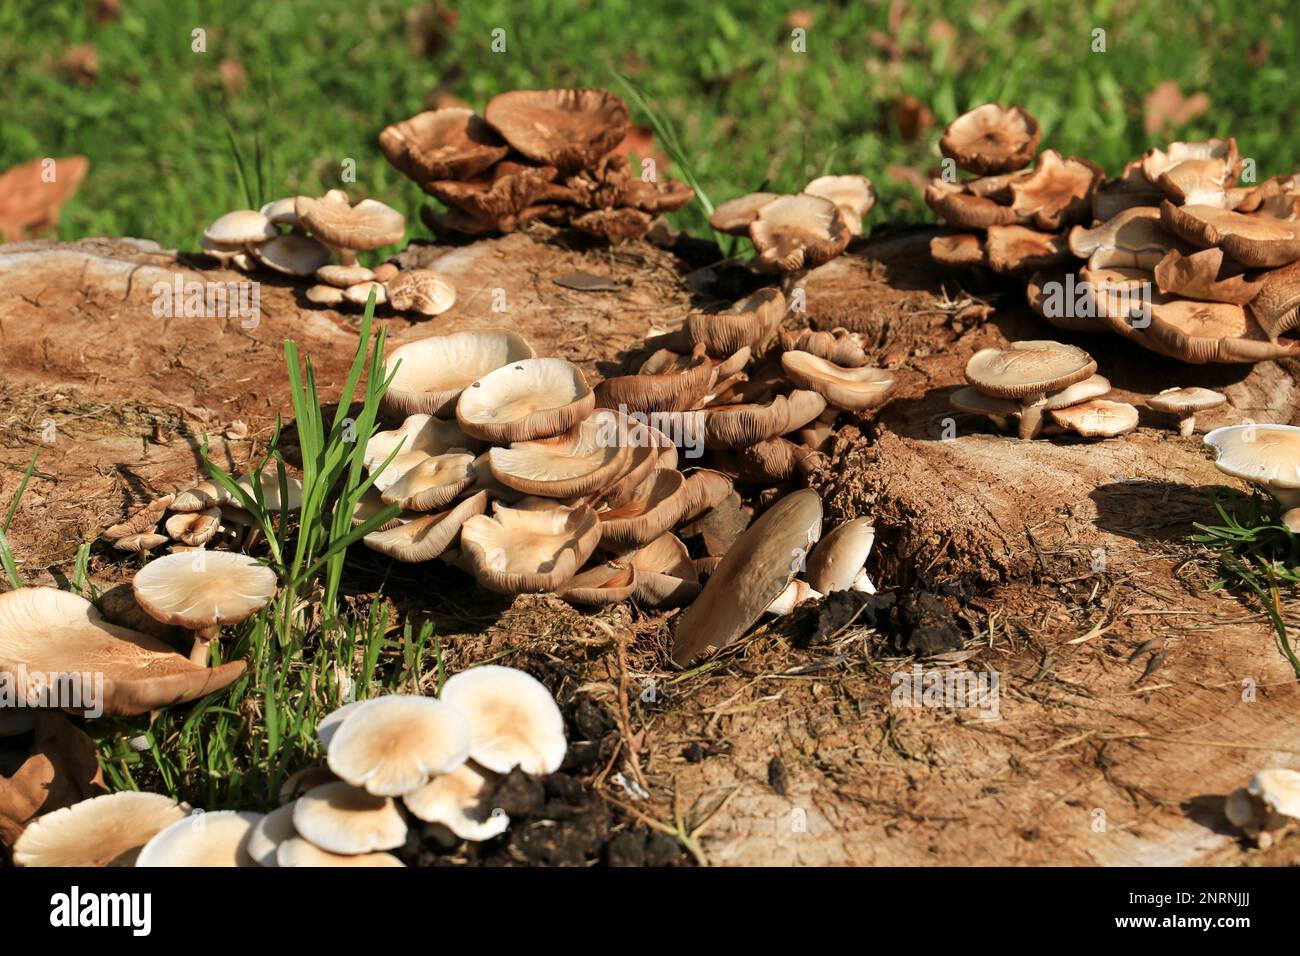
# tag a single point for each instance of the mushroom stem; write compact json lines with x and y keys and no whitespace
{"x":202,"y":638}
{"x":1187,"y":425}
{"x":1031,"y":415}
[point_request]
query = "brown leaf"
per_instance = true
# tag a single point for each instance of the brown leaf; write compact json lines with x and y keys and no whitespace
{"x":32,"y":194}
{"x":61,"y":770}
{"x":1167,"y":109}
{"x":233,"y":77}
{"x":913,"y":118}
{"x":800,"y":19}
{"x":81,"y":63}
{"x":106,"y":11}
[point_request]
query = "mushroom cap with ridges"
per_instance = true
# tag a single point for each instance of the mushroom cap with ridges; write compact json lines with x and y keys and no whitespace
{"x":1200,"y":332}
{"x":1279,"y":789}
{"x":392,"y":745}
{"x":853,"y":389}
{"x":242,"y":227}
{"x":1184,"y":401}
{"x":615,"y":225}
{"x":705,"y":489}
{"x":665,"y":575}
{"x":432,"y":372}
{"x":1098,"y":418}
{"x":270,"y":833}
{"x":1014,"y":250}
{"x":800,"y":232}
{"x":341,"y":818}
{"x":108,"y":830}
{"x":746,"y":324}
{"x":296,"y":852}
{"x":452,"y":143}
{"x":418,"y":434}
{"x":991,"y":139}
{"x":514,"y":721}
{"x":1253,"y":241}
{"x":566,"y":128}
{"x":1094,"y":386}
{"x":737,"y":426}
{"x":601,"y":584}
{"x":202,"y":839}
{"x":655,"y":507}
{"x":193,"y":528}
{"x":456,"y":801}
{"x":421,"y":290}
{"x":368,"y":225}
{"x":854,"y":196}
{"x":734,"y":216}
{"x":1028,"y":368}
{"x":1136,"y":229}
{"x":678,"y":383}
{"x":1058,"y":193}
{"x":971,"y":399}
{"x":1202,"y":275}
{"x":958,"y":249}
{"x":1276,"y":307}
{"x":582,"y":460}
{"x":51,"y":632}
{"x":962,"y":209}
{"x":416,"y":537}
{"x":203,"y":589}
{"x":415,"y":481}
{"x":200,"y":497}
{"x":840,"y":555}
{"x":1267,"y":455}
{"x":757,"y":568}
{"x":528,"y":399}
{"x":518,"y":550}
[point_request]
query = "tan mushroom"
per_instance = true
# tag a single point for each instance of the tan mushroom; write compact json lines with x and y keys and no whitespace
{"x":270,"y":833}
{"x":655,"y":507}
{"x":1059,"y":192}
{"x":456,"y":800}
{"x":581,"y":461}
{"x":793,"y":234}
{"x":519,"y":550}
{"x":1185,"y":403}
{"x":734,"y":216}
{"x":449,"y":143}
{"x":194,"y":528}
{"x":852,"y":389}
{"x":392,"y":745}
{"x":513,"y":719}
{"x":1252,"y":241}
{"x":368,"y":225}
{"x":48,"y":635}
{"x":1014,"y":250}
{"x":1264,"y":455}
{"x":960,"y":208}
{"x":203,"y":839}
{"x":614,"y":225}
{"x":421,"y":290}
{"x":795,"y":593}
{"x":667,"y":382}
{"x":568,"y":129}
{"x":299,"y":852}
{"x":430,"y":373}
{"x":737,"y":426}
{"x":1028,"y":371}
{"x":1205,"y":275}
{"x":838,"y":558}
{"x":958,"y":249}
{"x":605,"y":583}
{"x":991,"y":139}
{"x":746,"y":324}
{"x":341,"y":818}
{"x":665,"y":574}
{"x":1098,"y":418}
{"x":525,"y":400}
{"x":1276,"y":307}
{"x":109,"y":830}
{"x":853,"y":196}
{"x":240,"y":228}
{"x":993,"y":407}
{"x":416,"y":537}
{"x":293,"y":254}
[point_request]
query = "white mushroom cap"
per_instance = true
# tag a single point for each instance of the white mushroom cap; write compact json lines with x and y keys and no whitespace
{"x":393,"y":745}
{"x":324,"y":295}
{"x":839,"y":556}
{"x":341,"y":818}
{"x":269,"y":833}
{"x":204,"y":589}
{"x":432,"y":372}
{"x":854,"y":196}
{"x":332,"y":721}
{"x":582,"y":460}
{"x":293,"y":254}
{"x":215,"y":838}
{"x":519,"y":550}
{"x":421,"y":290}
{"x":240,"y":227}
{"x":854,"y":389}
{"x":416,"y":481}
{"x":1279,"y":789}
{"x":514,"y":720}
{"x":1098,"y":418}
{"x":531,"y":398}
{"x":299,"y":852}
{"x":1183,"y":401}
{"x":101,"y":831}
{"x":456,"y":801}
{"x":281,"y":211}
{"x":359,"y":294}
{"x":270,"y":484}
{"x":343,"y":276}
{"x":795,"y":593}
{"x":1264,"y":455}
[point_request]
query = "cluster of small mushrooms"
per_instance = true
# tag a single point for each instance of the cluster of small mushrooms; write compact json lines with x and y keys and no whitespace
{"x":389,"y":760}
{"x":1172,"y":254}
{"x":548,"y":155}
{"x":302,"y":236}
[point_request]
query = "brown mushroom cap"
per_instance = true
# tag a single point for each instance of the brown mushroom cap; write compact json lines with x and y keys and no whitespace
{"x":853,"y":389}
{"x":854,"y":197}
{"x":839,"y":345}
{"x":44,"y":631}
{"x":840,"y":555}
{"x":415,"y":537}
{"x":582,"y":460}
{"x":1202,"y":275}
{"x":517,"y":550}
{"x":614,"y":225}
{"x":746,"y":324}
{"x":1210,"y":332}
{"x":108,"y":830}
{"x":734,"y":216}
{"x":432,"y":372}
{"x":990,"y":139}
{"x":419,"y":482}
{"x":1253,"y":241}
{"x":442,"y":144}
{"x":736,"y":426}
{"x":568,"y":129}
{"x":194,"y":528}
{"x":655,"y":507}
{"x":677,"y":383}
{"x":341,"y":818}
{"x":206,"y":589}
{"x":1136,"y":229}
{"x":757,"y":568}
{"x":1156,"y":162}
{"x":1092,"y":387}
{"x":421,"y":290}
{"x":705,"y":489}
{"x":1058,"y":193}
{"x":665,"y":574}
{"x":793,"y":233}
{"x":212,"y":838}
{"x":367,"y":225}
{"x":971,"y":399}
{"x":498,"y":197}
{"x":1028,"y":368}
{"x":1098,"y":418}
{"x":962,"y":209}
{"x":1276,"y":307}
{"x":958,"y":249}
{"x":1012,"y":250}
{"x":531,"y":398}
{"x":606,"y":583}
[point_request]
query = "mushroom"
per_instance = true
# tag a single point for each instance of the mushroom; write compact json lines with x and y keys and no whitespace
{"x":665,"y":575}
{"x":852,"y":389}
{"x":513,"y":719}
{"x":344,"y":276}
{"x":1013,"y":250}
{"x":142,"y":521}
{"x":240,"y":228}
{"x":449,"y":143}
{"x":738,"y":426}
{"x":429,"y":374}
{"x":326,"y":295}
{"x":958,"y":249}
{"x":1278,"y":789}
{"x":956,"y":205}
{"x":705,"y":489}
{"x":996,"y":409}
{"x":614,"y":225}
{"x":103,"y":831}
{"x":416,"y":481}
{"x":1028,"y":371}
{"x":140,"y":543}
{"x":839,"y":346}
{"x":293,"y":254}
{"x":501,"y":197}
{"x":1277,"y":305}
{"x":270,"y":833}
{"x":528,"y":399}
{"x":299,"y":852}
{"x":746,"y":324}
{"x":795,"y":593}
{"x":213,"y":838}
{"x":1098,"y":418}
{"x":1264,"y":455}
{"x":853,"y":196}
{"x":757,"y":568}
{"x":568,"y":129}
{"x":655,"y":507}
{"x":667,"y":382}
{"x":794,"y":234}
{"x":990,"y":139}
{"x":581,"y":461}
{"x":393,"y":745}
{"x":341,"y":818}
{"x":45,"y":631}
{"x":360,"y":293}
{"x":1203,"y":275}
{"x":606,"y":583}
{"x":1252,"y":241}
{"x":455,"y":800}
{"x":838,"y":558}
{"x":1185,"y":403}
{"x":421,"y":290}
{"x":418,"y":537}
{"x":202,"y":592}
{"x":518,"y":550}
{"x":268,"y":482}
{"x":734,"y":216}
{"x":194,"y":528}
{"x":1058,"y":193}
{"x":367,"y":225}
{"x":206,"y":494}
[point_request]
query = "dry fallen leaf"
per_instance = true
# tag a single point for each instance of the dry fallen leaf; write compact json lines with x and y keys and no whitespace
{"x":32,"y":194}
{"x":61,"y":771}
{"x":640,"y":140}
{"x":913,"y":117}
{"x":1167,"y":109}
{"x":233,"y":77}
{"x":81,"y":63}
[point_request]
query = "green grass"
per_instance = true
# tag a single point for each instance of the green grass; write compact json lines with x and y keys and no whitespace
{"x":323,"y":78}
{"x":1257,"y":554}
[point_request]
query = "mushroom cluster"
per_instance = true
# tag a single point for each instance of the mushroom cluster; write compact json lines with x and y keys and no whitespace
{"x":793,"y":234}
{"x":1268,"y":804}
{"x":1267,"y":456}
{"x":1032,"y":380}
{"x":548,"y":155}
{"x":300,"y":237}
{"x":1172,"y":254}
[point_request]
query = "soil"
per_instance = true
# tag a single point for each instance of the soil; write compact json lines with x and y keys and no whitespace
{"x":1126,"y":709}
